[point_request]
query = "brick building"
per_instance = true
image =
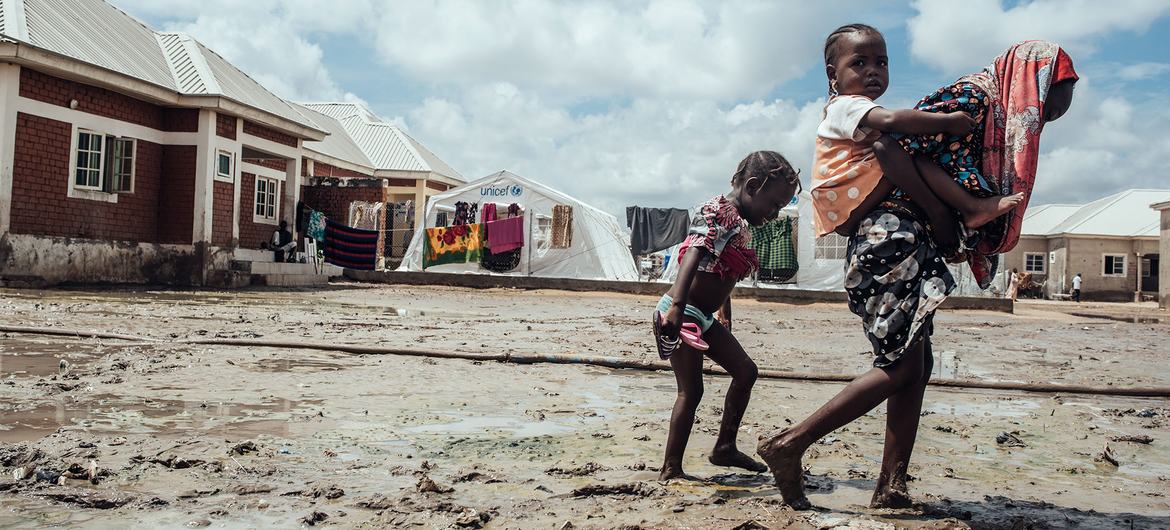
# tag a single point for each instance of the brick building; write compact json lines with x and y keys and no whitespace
{"x":130,"y":155}
{"x":1112,"y":242}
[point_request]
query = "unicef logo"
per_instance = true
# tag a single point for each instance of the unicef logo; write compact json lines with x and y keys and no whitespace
{"x":517,"y":191}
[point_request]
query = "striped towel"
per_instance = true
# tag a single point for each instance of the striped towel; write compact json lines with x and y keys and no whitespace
{"x":351,"y":248}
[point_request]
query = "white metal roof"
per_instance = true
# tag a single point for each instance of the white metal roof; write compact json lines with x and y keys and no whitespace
{"x":1040,"y":220}
{"x":1123,"y":214}
{"x":338,"y":144}
{"x":384,"y":144}
{"x":95,"y":32}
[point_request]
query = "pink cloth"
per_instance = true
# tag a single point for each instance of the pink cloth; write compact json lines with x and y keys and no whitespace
{"x":489,"y":212}
{"x":505,"y":234}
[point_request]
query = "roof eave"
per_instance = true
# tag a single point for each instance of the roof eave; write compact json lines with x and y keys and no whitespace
{"x":72,"y":69}
{"x":313,"y":154}
{"x":1161,"y":206}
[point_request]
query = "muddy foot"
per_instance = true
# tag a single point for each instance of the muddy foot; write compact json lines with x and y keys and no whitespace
{"x":783,"y":457}
{"x":990,"y":208}
{"x":676,"y":473}
{"x":735,"y":458}
{"x":891,"y":498}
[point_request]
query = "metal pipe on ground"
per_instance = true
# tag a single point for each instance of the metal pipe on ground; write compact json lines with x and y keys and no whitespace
{"x":591,"y":360}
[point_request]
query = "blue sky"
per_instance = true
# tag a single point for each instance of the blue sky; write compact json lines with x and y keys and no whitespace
{"x":654,"y":102}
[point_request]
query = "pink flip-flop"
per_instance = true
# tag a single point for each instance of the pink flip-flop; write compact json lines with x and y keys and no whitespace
{"x":693,"y":336}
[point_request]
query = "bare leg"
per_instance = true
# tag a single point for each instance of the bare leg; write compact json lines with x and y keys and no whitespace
{"x":899,"y":167}
{"x":976,"y":211}
{"x":903,"y":411}
{"x":727,"y":352}
{"x":688,"y":373}
{"x":782,"y":451}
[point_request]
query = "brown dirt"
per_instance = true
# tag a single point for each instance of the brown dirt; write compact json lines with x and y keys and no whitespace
{"x":184,"y":435}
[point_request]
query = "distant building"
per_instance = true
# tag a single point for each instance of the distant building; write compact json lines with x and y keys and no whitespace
{"x":129,"y":155}
{"x":1112,"y":242}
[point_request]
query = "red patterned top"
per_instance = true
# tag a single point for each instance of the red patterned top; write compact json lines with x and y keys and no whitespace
{"x":717,"y":226}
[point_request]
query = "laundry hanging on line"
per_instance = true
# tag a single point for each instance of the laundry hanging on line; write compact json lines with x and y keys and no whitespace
{"x":654,"y":229}
{"x":351,"y":248}
{"x":454,"y":244}
{"x":562,"y":226}
{"x":505,"y":234}
{"x":775,"y":246}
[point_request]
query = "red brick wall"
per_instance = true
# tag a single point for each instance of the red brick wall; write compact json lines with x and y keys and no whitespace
{"x":225,"y":126}
{"x":176,"y":201}
{"x":180,"y":120}
{"x":270,"y":163}
{"x":269,"y":134}
{"x":252,"y":234}
{"x":221,"y":221}
{"x":40,"y":187}
{"x":94,"y":100}
{"x":321,"y":169}
{"x":402,"y":182}
{"x":334,"y":202}
{"x":437,"y":186}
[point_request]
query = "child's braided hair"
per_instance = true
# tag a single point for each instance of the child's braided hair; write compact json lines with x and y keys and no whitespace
{"x":765,"y":165}
{"x":831,"y":44}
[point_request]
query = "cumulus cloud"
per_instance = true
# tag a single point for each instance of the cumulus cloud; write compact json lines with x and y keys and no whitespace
{"x":653,"y":152}
{"x":958,"y":39}
{"x":1142,"y":71}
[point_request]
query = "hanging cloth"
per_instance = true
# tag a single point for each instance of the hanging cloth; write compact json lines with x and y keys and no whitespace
{"x":316,"y":225}
{"x":506,"y":234}
{"x":489,"y":212}
{"x":455,"y":244}
{"x":562,"y":226}
{"x":654,"y":229}
{"x":773,"y":243}
{"x":349,"y":247}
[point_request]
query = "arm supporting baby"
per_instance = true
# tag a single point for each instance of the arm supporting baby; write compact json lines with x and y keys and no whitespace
{"x":908,"y":121}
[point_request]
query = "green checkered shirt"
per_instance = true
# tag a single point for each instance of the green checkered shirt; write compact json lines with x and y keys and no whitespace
{"x":774,"y":245}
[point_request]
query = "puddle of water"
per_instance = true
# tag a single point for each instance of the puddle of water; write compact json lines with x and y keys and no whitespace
{"x":40,"y":359}
{"x":296,"y":365}
{"x":1001,"y":408}
{"x":519,"y":427}
{"x":109,"y":415}
{"x":1134,"y":319}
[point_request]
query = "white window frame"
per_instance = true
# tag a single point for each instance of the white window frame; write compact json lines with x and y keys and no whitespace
{"x":133,"y":163}
{"x":831,"y":246}
{"x":230,"y":176}
{"x":1124,"y":265}
{"x":76,"y":155}
{"x":271,"y":212}
{"x":1042,"y":260}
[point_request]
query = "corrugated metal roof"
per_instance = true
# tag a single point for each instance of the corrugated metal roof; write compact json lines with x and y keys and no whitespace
{"x":97,"y":33}
{"x":384,"y":144}
{"x":1124,"y":214}
{"x":1040,"y":220}
{"x":338,"y":144}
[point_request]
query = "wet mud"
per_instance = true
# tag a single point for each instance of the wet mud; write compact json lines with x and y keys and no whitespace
{"x":163,"y":434}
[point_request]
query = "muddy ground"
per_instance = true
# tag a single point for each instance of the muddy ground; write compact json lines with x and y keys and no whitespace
{"x":180,"y":435}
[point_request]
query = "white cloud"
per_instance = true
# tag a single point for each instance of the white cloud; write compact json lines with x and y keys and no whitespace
{"x":653,"y":152}
{"x":960,"y":40}
{"x":1141,"y":71}
{"x":680,"y":48}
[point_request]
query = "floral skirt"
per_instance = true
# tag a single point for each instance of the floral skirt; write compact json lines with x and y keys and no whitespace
{"x":895,"y":279}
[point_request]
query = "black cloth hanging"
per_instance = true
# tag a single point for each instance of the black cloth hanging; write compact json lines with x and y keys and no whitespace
{"x":654,"y":229}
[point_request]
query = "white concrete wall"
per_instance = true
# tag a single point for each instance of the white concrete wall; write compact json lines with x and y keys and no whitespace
{"x":58,"y":259}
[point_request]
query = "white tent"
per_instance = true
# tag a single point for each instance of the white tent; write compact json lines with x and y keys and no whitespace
{"x":598,"y":250}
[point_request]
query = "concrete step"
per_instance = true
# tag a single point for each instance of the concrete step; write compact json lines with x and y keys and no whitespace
{"x":286,"y":269}
{"x":290,"y":280}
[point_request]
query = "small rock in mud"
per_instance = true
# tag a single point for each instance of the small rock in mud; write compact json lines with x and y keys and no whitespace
{"x":1106,"y":455}
{"x":244,"y":448}
{"x":313,"y":518}
{"x":19,"y":455}
{"x":177,"y":462}
{"x":582,"y":471}
{"x":250,"y":489}
{"x":426,"y":485}
{"x":1008,"y":439}
{"x":88,"y":499}
{"x":643,"y":438}
{"x":1135,"y":438}
{"x":637,"y":466}
{"x":476,"y":476}
{"x":633,"y":488}
{"x":749,"y":525}
{"x":377,"y":502}
{"x":196,"y":493}
{"x":944,"y":428}
{"x":330,"y":492}
{"x":198,"y":523}
{"x":472,"y":518}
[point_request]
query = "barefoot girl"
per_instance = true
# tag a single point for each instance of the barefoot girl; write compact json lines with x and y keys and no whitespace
{"x":713,"y":258}
{"x":895,"y":277}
